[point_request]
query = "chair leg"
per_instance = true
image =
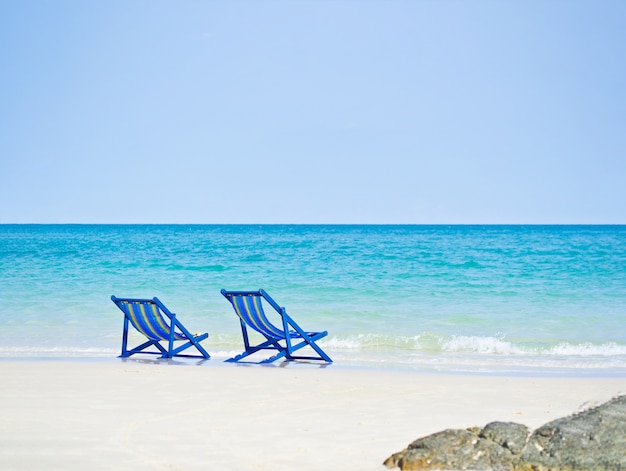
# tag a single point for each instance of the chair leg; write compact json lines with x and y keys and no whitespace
{"x":278,"y":356}
{"x":143,"y":346}
{"x":270,"y":344}
{"x":308,"y":339}
{"x":125,"y":339}
{"x":193,"y":342}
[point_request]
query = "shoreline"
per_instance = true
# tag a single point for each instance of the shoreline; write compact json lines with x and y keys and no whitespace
{"x":538,"y":372}
{"x":141,"y":414}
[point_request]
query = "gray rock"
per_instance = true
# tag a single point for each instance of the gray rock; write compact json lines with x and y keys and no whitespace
{"x":455,"y":450}
{"x":591,"y":440}
{"x":509,"y":435}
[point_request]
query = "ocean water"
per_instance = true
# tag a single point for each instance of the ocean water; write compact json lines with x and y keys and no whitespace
{"x":490,"y":299}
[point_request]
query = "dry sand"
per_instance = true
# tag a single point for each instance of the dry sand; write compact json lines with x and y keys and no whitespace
{"x":139,"y":415}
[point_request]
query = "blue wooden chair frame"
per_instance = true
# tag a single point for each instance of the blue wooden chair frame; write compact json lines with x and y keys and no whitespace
{"x":155,"y":321}
{"x":248,"y":306}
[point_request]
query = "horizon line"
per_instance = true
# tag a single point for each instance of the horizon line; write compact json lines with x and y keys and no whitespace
{"x":309,"y":224}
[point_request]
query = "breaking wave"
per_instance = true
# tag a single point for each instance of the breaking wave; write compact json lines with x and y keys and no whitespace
{"x":476,"y":353}
{"x":429,"y":343}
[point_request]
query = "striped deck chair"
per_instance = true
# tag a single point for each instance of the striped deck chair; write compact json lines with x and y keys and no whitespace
{"x":286,"y":339}
{"x":151,"y":318}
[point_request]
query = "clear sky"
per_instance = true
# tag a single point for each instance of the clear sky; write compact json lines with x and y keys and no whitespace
{"x":416,"y":111}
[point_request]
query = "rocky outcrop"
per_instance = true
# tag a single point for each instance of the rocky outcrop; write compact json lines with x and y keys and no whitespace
{"x":591,"y":440}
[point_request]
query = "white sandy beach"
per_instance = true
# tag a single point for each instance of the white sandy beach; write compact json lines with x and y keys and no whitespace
{"x":137,"y":415}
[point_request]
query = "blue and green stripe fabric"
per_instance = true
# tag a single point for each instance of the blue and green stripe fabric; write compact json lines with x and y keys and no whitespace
{"x":147,"y":319}
{"x":250,"y":310}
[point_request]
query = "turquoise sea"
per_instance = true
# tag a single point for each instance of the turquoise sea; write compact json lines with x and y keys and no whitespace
{"x":489,"y":299}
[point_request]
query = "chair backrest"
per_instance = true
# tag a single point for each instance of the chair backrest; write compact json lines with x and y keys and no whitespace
{"x":146,"y":317}
{"x":249,"y":308}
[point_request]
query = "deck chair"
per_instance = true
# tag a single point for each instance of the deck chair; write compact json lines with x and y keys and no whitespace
{"x":286,"y":339}
{"x":152,"y":319}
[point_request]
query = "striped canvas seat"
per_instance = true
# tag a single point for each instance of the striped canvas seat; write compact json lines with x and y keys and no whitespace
{"x":250,"y":310}
{"x":158,"y":324}
{"x":248,"y":306}
{"x":146,"y":318}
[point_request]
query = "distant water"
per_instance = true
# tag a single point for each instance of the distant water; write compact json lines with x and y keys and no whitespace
{"x":523,"y":299}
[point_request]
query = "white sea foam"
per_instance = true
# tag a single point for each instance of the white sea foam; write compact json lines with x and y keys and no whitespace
{"x":55,"y":352}
{"x":474,"y":353}
{"x":371,"y":341}
{"x":587,"y":349}
{"x":483,"y":345}
{"x":470,"y":344}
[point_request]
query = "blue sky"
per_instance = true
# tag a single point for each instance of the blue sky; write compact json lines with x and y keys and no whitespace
{"x":419,"y":112}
